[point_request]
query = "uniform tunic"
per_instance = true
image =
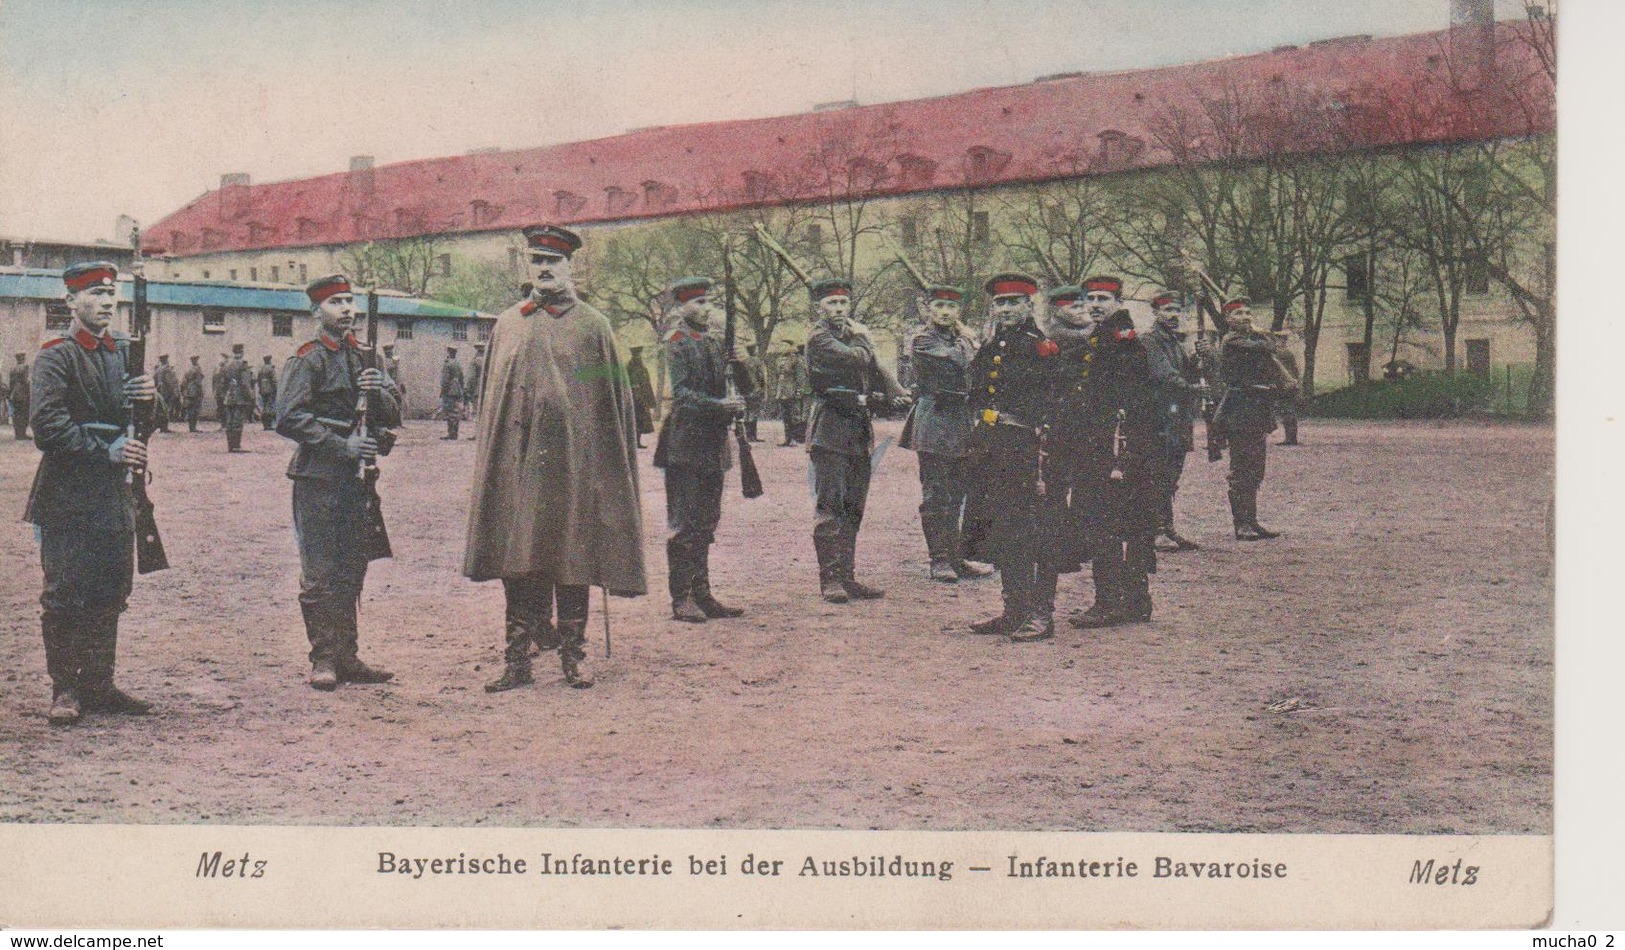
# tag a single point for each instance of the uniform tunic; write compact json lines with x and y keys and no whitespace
{"x":938,"y":428}
{"x":643,"y":394}
{"x":555,"y":476}
{"x":19,"y":395}
{"x":79,"y":500}
{"x":1174,"y":376}
{"x":1246,"y":415}
{"x":1011,"y":396}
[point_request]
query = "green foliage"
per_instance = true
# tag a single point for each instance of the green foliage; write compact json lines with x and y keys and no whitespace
{"x":1431,"y":395}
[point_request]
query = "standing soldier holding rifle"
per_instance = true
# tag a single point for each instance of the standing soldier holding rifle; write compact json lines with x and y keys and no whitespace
{"x":19,"y":396}
{"x":555,"y":505}
{"x":83,"y":501}
{"x":1245,"y":417}
{"x":265,"y":388}
{"x":318,"y":396}
{"x":237,"y":397}
{"x":693,"y":449}
{"x":1174,"y":378}
{"x":169,"y":392}
{"x":192,"y":394}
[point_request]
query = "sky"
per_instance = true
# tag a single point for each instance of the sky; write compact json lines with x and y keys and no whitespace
{"x":136,"y":107}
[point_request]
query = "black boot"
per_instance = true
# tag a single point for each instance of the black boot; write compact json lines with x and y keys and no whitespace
{"x":1016,"y":591}
{"x":1107,"y":610}
{"x":681,"y":574}
{"x":1040,"y":621}
{"x":573,"y":653}
{"x":98,"y":657}
{"x":942,"y":568}
{"x":518,"y":639}
{"x":451,"y":428}
{"x":62,"y":665}
{"x":827,"y":547}
{"x":855,"y":589}
{"x":709,"y":605}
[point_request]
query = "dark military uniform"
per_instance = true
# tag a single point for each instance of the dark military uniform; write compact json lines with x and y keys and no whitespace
{"x":237,"y":398}
{"x":843,"y":372}
{"x":1011,"y":519}
{"x":20,"y":397}
{"x":1286,"y":404}
{"x":1105,"y":434}
{"x":452,"y":393}
{"x":169,"y":394}
{"x":789,"y":386}
{"x":756,"y":373}
{"x":643,"y":394}
{"x":938,"y":428}
{"x":1245,"y":418}
{"x":694,"y":450}
{"x":82,"y":507}
{"x":265,"y":388}
{"x":192,"y":396}
{"x":217,"y":383}
{"x":476,"y":378}
{"x":1174,"y":379}
{"x":317,"y":396}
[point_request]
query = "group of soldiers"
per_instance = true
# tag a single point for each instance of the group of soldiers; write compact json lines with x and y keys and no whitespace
{"x":1042,"y":447}
{"x":459,"y":390}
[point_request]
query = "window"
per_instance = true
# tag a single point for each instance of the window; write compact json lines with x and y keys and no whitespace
{"x":302,"y":278}
{"x":214,"y":320}
{"x":442,"y":265}
{"x":485,"y":332}
{"x":403,"y":329}
{"x":58,"y":316}
{"x":815,"y":235}
{"x":911,"y":232}
{"x":1357,"y":270}
{"x":282,"y":324}
{"x":1477,"y":280}
{"x":232,"y":274}
{"x":459,"y":329}
{"x":253,"y":274}
{"x":980,"y":231}
{"x":1359,"y":363}
{"x":1478,"y":357}
{"x":276,"y":274}
{"x":205,"y":275}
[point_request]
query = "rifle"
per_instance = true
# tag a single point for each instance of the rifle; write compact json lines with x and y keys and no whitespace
{"x":750,"y":480}
{"x":149,"y":546}
{"x":377,"y":539}
{"x":908,"y":265}
{"x":782,"y":254}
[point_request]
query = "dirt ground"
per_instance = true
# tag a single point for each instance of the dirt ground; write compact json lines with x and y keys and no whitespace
{"x":1405,"y":620}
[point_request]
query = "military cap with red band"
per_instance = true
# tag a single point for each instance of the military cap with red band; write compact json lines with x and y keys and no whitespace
{"x":1163,"y":299}
{"x":1065,"y":294}
{"x":551,"y":239}
{"x":1236,"y":304}
{"x":90,"y":274}
{"x":830,"y":287}
{"x":1111,"y":285}
{"x":324,"y":287}
{"x":689,"y":288}
{"x":1004,"y":285}
{"x":944,"y":292}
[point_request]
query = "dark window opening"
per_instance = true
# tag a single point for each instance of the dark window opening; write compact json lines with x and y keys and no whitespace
{"x":282,"y":324}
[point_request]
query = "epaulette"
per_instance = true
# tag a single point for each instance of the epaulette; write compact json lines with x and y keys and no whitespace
{"x":305,"y":350}
{"x":681,"y":335}
{"x":53,"y":342}
{"x":529,"y":307}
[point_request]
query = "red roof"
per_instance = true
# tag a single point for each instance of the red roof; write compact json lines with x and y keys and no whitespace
{"x":1367,"y":93}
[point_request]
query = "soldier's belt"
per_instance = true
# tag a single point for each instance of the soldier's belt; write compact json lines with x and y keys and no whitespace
{"x":945,"y":394}
{"x":993,"y":417}
{"x":104,"y":428}
{"x":340,"y":426}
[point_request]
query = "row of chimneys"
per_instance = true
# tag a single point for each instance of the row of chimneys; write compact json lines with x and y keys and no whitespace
{"x":359,"y":164}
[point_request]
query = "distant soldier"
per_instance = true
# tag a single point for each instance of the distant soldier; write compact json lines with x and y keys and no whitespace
{"x":192,"y":394}
{"x":317,"y":395}
{"x":789,"y":379}
{"x":555,"y":504}
{"x":644,"y":405}
{"x":1245,"y":417}
{"x":938,"y":429}
{"x":19,"y":394}
{"x":392,"y":367}
{"x":169,"y":392}
{"x":1006,"y":521}
{"x":845,"y":378}
{"x":694,"y":450}
{"x":453,"y":390}
{"x":217,"y":383}
{"x":237,"y":397}
{"x":265,"y":388}
{"x":1174,"y":380}
{"x":756,"y":372}
{"x":5,"y":401}
{"x":1106,"y":427}
{"x":476,"y":378}
{"x":80,"y":504}
{"x":1286,"y":406}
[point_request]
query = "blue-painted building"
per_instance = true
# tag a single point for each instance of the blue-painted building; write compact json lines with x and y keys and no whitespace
{"x":205,"y":318}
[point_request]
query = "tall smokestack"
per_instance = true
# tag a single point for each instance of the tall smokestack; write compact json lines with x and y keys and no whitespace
{"x":1472,"y":41}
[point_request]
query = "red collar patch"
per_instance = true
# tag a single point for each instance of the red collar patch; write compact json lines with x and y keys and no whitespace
{"x":529,"y":307}
{"x":682,"y":334}
{"x":89,"y":340}
{"x":1047,"y":347}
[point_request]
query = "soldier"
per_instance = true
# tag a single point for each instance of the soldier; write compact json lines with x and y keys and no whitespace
{"x":237,"y":397}
{"x":20,"y":396}
{"x":217,"y":382}
{"x":192,"y":394}
{"x":1106,"y":429}
{"x":1286,"y":406}
{"x":644,"y":405}
{"x":938,"y":428}
{"x":756,"y":372}
{"x":694,"y":450}
{"x":452,"y":393}
{"x":1174,"y":380}
{"x":845,"y":377}
{"x":555,"y":503}
{"x":476,"y":377}
{"x":317,"y":396}
{"x":265,"y":388}
{"x":80,"y":502}
{"x":789,"y":378}
{"x":5,"y":401}
{"x":392,"y":368}
{"x":1245,"y":417}
{"x":1006,"y":516}
{"x":169,"y":392}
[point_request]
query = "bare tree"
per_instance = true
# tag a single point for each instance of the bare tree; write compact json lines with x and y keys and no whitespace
{"x":409,"y":265}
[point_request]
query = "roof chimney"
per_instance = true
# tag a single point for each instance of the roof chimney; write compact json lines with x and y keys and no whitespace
{"x":231,"y":179}
{"x":1472,"y":41}
{"x":361,"y":172}
{"x":360,"y":163}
